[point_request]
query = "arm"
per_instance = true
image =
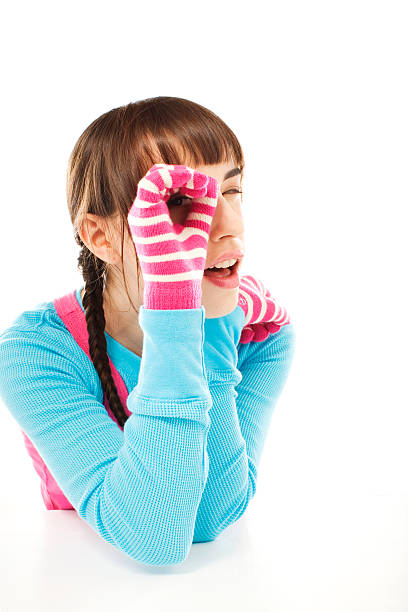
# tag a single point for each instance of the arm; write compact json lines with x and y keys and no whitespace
{"x":138,"y":488}
{"x":245,"y":385}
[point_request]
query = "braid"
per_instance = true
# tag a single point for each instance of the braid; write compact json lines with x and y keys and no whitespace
{"x":93,"y":271}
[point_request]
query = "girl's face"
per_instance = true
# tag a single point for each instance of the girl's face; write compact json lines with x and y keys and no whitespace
{"x":226,"y":234}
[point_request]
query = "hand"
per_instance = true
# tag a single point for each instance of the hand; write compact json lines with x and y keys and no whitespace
{"x":263,"y":315}
{"x":172,"y":256}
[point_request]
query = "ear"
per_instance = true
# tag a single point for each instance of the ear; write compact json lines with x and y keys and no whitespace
{"x":98,"y":234}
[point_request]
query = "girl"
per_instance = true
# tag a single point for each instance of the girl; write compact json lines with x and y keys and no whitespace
{"x":145,"y":405}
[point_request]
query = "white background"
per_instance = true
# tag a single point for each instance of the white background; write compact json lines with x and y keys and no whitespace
{"x":317,"y":94}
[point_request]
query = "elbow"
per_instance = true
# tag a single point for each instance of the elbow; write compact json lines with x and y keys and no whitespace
{"x":150,"y":544}
{"x":159,"y":555}
{"x":153,"y":535}
{"x":210,"y":529}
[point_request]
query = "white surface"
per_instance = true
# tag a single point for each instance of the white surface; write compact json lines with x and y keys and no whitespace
{"x":298,"y":548}
{"x":317,"y":94}
{"x":287,"y":553}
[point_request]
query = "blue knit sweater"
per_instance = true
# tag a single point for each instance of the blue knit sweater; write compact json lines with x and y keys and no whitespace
{"x":185,"y":466}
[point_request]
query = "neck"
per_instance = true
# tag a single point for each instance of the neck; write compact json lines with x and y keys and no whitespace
{"x":122,"y":320}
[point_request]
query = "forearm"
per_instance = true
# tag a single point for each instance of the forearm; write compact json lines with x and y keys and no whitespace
{"x":243,"y":404}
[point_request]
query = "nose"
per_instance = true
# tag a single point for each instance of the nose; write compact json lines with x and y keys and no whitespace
{"x":227,"y":220}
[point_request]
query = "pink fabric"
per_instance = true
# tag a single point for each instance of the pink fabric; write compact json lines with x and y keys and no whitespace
{"x":73,"y":317}
{"x":172,"y":256}
{"x":263,"y":314}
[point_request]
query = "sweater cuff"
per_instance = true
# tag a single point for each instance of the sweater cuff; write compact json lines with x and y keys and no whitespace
{"x":172,"y":366}
{"x":222,"y":335}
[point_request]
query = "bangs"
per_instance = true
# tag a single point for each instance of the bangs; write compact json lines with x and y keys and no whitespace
{"x":190,"y":134}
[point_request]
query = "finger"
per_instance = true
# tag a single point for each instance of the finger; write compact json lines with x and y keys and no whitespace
{"x":194,"y":234}
{"x":148,"y":214}
{"x":264,"y":308}
{"x":203,"y":207}
{"x":256,"y":304}
{"x":260,"y":332}
{"x":247,"y":334}
{"x":175,"y":176}
{"x":278,"y":315}
{"x":272,"y":327}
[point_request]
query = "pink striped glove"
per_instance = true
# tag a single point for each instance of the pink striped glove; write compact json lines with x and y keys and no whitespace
{"x":172,"y":256}
{"x":263,"y":315}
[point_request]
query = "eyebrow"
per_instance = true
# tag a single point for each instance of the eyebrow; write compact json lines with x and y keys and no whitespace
{"x":232,"y":172}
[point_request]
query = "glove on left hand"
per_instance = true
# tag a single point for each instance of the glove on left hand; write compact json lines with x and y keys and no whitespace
{"x":263,"y":315}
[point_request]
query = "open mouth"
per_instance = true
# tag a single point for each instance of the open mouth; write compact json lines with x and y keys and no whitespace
{"x":222,"y":272}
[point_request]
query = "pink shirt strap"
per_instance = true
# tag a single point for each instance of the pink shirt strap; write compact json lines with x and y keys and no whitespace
{"x":73,"y":317}
{"x":71,"y":313}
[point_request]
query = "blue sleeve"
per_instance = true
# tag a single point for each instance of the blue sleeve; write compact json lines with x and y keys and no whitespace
{"x":246,"y":382}
{"x":139,"y":488}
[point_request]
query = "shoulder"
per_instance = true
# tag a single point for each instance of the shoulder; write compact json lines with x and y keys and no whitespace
{"x":42,"y":317}
{"x":41,"y":320}
{"x":37,"y":340}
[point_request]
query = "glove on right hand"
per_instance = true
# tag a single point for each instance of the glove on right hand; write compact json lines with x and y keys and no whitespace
{"x":172,"y":256}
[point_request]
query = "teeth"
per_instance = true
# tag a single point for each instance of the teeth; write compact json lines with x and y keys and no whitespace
{"x":224,"y":264}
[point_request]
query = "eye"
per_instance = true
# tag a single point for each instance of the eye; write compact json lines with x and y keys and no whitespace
{"x":177,"y":201}
{"x":233,"y":190}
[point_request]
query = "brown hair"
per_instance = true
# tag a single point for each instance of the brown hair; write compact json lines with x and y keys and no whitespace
{"x":108,"y":160}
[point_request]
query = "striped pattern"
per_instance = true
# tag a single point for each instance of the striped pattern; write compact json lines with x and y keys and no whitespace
{"x":263,"y":315}
{"x":172,"y":256}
